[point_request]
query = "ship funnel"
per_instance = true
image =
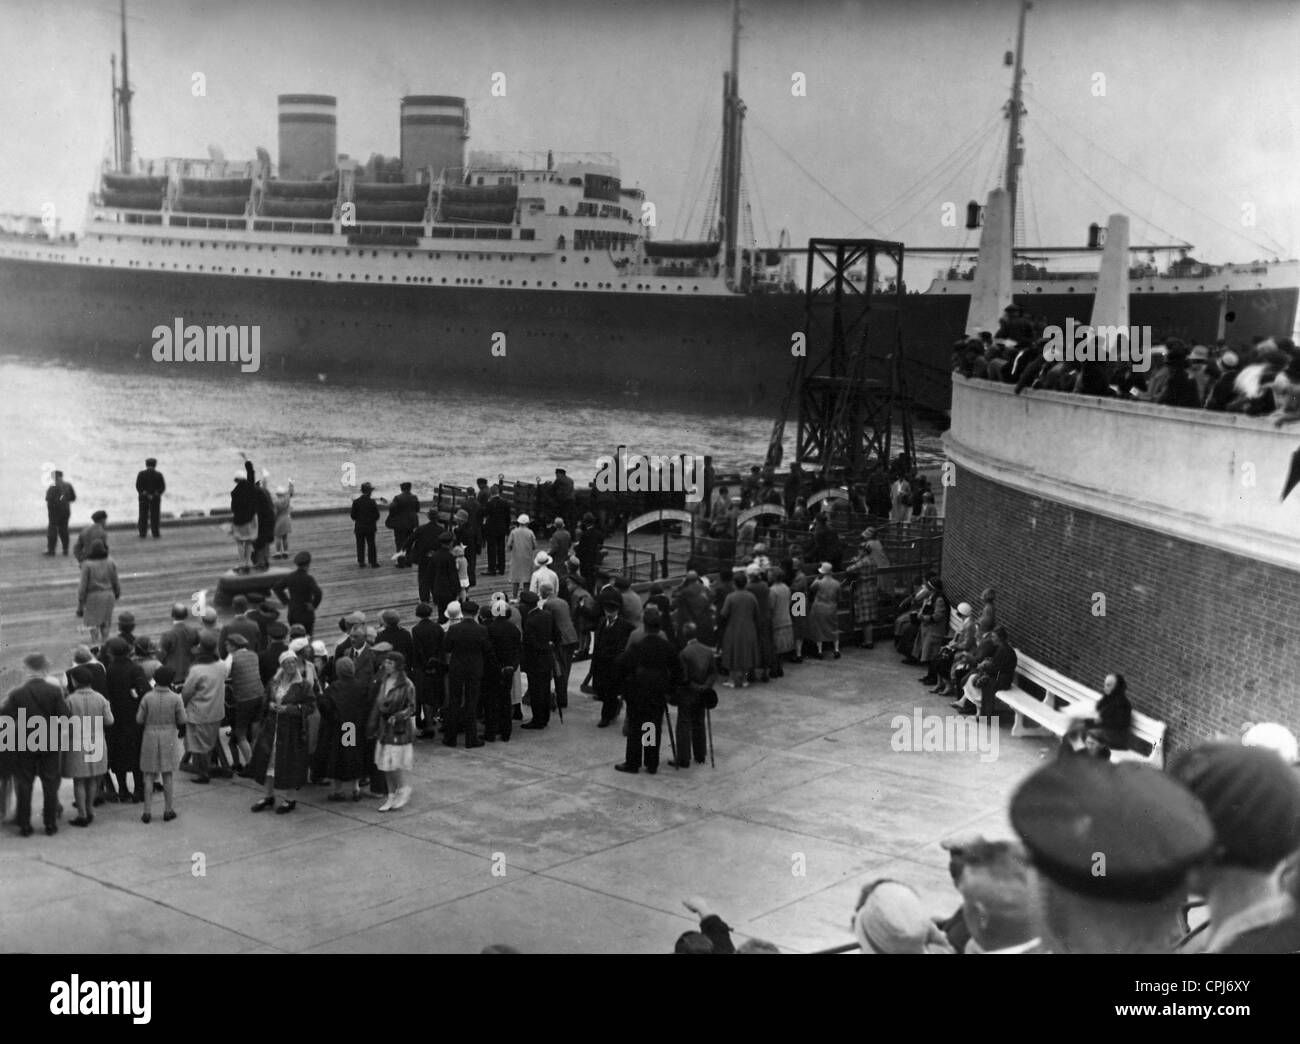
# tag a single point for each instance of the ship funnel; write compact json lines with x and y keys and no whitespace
{"x":991,"y":292}
{"x":308,"y":135}
{"x":1110,"y":306}
{"x":434,"y":130}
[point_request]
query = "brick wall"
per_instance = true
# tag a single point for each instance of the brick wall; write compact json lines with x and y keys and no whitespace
{"x":1207,"y":640}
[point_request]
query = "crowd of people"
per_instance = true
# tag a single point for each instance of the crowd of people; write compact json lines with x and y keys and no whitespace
{"x":1260,"y":379}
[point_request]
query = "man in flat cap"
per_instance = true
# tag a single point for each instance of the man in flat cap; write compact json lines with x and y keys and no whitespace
{"x":150,"y":487}
{"x":245,"y":623}
{"x":1253,"y":799}
{"x":1111,"y":846}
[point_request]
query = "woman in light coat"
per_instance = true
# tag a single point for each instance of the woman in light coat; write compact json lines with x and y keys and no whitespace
{"x":98,"y":592}
{"x":824,"y":616}
{"x":521,"y":546}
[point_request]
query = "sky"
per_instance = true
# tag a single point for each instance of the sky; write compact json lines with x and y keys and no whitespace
{"x":1182,"y":113}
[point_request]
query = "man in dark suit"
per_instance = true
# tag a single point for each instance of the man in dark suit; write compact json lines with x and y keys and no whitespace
{"x":300,"y":592}
{"x":506,"y":647}
{"x":39,"y":700}
{"x":470,"y":657}
{"x":611,"y":639}
{"x":444,"y":577}
{"x":403,"y":516}
{"x":268,"y":660}
{"x":651,"y":669}
{"x":58,"y":509}
{"x":365,"y":519}
{"x":537,"y":658}
{"x":395,"y":634}
{"x":496,"y":524}
{"x":176,"y":646}
{"x":149,"y":487}
{"x":245,"y":623}
{"x":428,"y":659}
{"x":419,"y":549}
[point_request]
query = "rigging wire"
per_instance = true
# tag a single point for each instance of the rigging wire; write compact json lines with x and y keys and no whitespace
{"x":756,"y":194}
{"x":928,"y":201}
{"x":708,"y":171}
{"x":938,"y":171}
{"x":1071,"y":166}
{"x":810,"y":175}
{"x":1157,"y":187}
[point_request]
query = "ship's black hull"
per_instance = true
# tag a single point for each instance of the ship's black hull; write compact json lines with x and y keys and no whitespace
{"x":732,"y":351}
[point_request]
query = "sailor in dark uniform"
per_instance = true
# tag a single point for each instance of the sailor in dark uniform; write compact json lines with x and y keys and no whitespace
{"x":300,"y":592}
{"x":150,"y":486}
{"x":1112,"y":846}
{"x":58,"y":508}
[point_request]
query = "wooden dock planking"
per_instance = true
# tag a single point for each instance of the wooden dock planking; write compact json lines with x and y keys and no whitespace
{"x":38,"y":595}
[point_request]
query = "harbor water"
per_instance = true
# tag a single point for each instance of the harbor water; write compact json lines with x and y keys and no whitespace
{"x":98,"y":422}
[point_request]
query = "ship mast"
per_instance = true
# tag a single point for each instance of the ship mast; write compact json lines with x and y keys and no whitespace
{"x":124,"y":103}
{"x":117,"y":130}
{"x":733,"y":114}
{"x":1015,"y":109}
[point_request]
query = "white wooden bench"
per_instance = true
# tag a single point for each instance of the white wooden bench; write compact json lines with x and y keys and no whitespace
{"x":1052,"y":713}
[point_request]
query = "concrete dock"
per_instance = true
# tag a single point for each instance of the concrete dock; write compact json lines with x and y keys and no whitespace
{"x":538,"y":843}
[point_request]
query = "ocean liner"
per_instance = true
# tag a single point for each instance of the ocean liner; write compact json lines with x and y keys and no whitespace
{"x":538,"y":271}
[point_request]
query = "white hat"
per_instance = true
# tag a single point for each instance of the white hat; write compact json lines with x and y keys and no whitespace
{"x":299,"y":644}
{"x":541,"y":559}
{"x":454,"y":611}
{"x":964,"y":609}
{"x":522,"y":520}
{"x":825,"y":568}
{"x":318,"y":648}
{"x":281,"y":491}
{"x":288,"y":657}
{"x":1274,"y":737}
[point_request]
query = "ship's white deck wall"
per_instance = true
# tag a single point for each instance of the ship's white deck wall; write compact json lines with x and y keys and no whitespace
{"x":1211,"y":478}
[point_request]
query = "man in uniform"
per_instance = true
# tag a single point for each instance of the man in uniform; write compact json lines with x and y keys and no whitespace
{"x":149,"y":487}
{"x":1111,"y":845}
{"x":58,"y":509}
{"x":651,"y":670}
